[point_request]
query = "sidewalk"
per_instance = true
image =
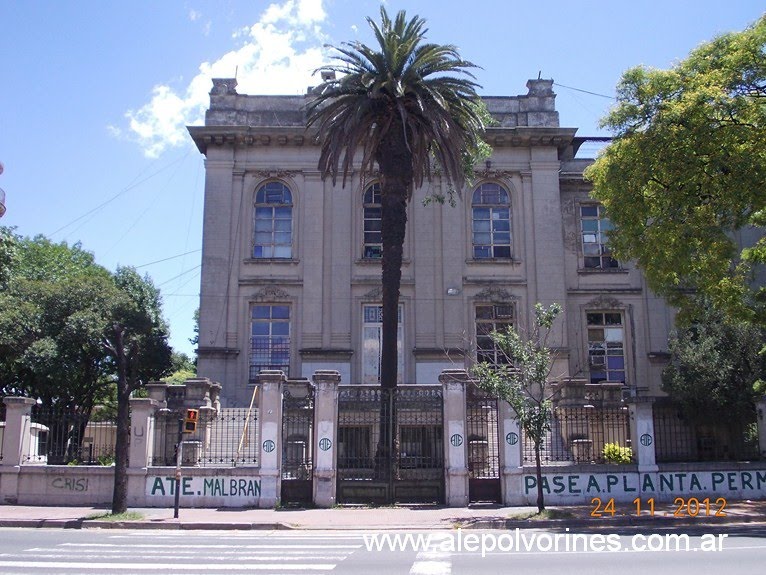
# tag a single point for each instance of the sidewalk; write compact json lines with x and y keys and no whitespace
{"x":422,"y":517}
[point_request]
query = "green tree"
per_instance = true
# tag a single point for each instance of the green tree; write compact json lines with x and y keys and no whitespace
{"x":523,"y":380}
{"x":716,"y":368}
{"x":52,"y":312}
{"x":687,"y":171}
{"x":136,"y":341}
{"x":181,"y":369}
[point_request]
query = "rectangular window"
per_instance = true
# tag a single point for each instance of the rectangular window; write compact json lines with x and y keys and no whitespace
{"x":372,"y":340}
{"x":606,"y":347}
{"x":491,"y":318}
{"x":594,"y":226}
{"x":270,"y":339}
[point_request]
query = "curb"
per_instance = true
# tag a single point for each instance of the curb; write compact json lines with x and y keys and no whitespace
{"x":168,"y":524}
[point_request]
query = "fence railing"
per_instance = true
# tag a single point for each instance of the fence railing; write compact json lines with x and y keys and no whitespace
{"x":678,"y":439}
{"x":224,"y":438}
{"x":579,"y":434}
{"x":63,"y":437}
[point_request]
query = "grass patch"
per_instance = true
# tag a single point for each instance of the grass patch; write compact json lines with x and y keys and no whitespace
{"x":127,"y":516}
{"x":538,"y":516}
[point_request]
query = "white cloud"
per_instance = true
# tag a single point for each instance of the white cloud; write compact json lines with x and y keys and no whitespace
{"x":194,"y":15}
{"x":278,"y":55}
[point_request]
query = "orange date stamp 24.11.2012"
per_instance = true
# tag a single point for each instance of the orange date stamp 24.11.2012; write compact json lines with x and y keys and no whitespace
{"x":682,"y":507}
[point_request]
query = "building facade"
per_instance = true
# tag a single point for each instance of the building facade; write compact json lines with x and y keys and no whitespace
{"x":291,"y":262}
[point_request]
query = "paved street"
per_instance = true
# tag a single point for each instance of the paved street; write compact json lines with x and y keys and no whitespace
{"x":121,"y":552}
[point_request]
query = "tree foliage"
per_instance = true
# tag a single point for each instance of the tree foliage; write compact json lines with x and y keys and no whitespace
{"x":523,"y":379}
{"x":687,"y":171}
{"x":716,"y":369}
{"x":73,"y":334}
{"x":404,"y":103}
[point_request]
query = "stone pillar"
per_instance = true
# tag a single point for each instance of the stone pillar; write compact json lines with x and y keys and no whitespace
{"x":642,"y":434}
{"x":760,"y":408}
{"x":142,"y":412}
{"x":511,"y":463}
{"x":16,"y":437}
{"x":325,"y":436}
{"x":455,"y":440}
{"x":270,"y":422}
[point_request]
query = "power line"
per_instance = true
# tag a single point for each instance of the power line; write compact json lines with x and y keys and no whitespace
{"x":167,"y":259}
{"x":585,"y":91}
{"x":120,"y":193}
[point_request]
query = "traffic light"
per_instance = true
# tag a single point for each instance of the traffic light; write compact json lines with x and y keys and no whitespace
{"x":190,"y":421}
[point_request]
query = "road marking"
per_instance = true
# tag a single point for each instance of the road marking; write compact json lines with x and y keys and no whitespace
{"x":174,"y":567}
{"x":201,"y":547}
{"x":432,"y":563}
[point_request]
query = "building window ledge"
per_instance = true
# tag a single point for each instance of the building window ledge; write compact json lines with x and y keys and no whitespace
{"x":271,"y":261}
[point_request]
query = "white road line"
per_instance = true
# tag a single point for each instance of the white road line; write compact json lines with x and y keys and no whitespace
{"x":162,"y":553}
{"x":99,"y":567}
{"x":202,"y":547}
{"x":432,"y":563}
{"x":187,"y":556}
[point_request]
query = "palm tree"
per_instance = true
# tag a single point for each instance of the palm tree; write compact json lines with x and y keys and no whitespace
{"x":403,"y":106}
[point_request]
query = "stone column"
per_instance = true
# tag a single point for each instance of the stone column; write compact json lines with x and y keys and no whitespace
{"x":511,"y":463}
{"x":270,"y":422}
{"x":142,"y":412}
{"x":455,"y":441}
{"x":325,"y":436}
{"x":16,"y":437}
{"x":760,"y":408}
{"x":642,"y":433}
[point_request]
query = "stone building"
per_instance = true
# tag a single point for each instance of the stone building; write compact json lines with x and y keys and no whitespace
{"x":291,"y":262}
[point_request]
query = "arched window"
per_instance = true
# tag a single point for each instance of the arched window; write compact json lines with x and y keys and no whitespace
{"x":373,"y":240}
{"x":491,"y":222}
{"x":273,"y":221}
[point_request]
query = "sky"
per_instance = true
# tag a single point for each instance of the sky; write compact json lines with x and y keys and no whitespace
{"x":95,"y":97}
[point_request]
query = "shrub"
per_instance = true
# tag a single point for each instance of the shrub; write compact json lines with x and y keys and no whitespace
{"x":615,"y":453}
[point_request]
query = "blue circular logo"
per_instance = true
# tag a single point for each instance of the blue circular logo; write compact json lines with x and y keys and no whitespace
{"x":456,"y":440}
{"x":325,"y":443}
{"x":268,"y":446}
{"x":646,"y":440}
{"x":512,"y":438}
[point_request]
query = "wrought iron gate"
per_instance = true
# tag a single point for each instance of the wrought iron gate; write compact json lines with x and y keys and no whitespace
{"x":483,"y":446}
{"x":414,"y":472}
{"x":297,"y":444}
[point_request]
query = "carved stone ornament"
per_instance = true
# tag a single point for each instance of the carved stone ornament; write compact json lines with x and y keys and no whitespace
{"x":604,"y":302}
{"x":223,"y":86}
{"x":375,"y":294}
{"x":271,"y":293}
{"x":495,"y":294}
{"x":276,"y":173}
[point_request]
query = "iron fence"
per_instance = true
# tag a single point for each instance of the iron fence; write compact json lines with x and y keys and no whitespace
{"x":367,"y":472}
{"x":579,"y":435}
{"x":679,"y":439}
{"x":224,"y":438}
{"x":64,"y":437}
